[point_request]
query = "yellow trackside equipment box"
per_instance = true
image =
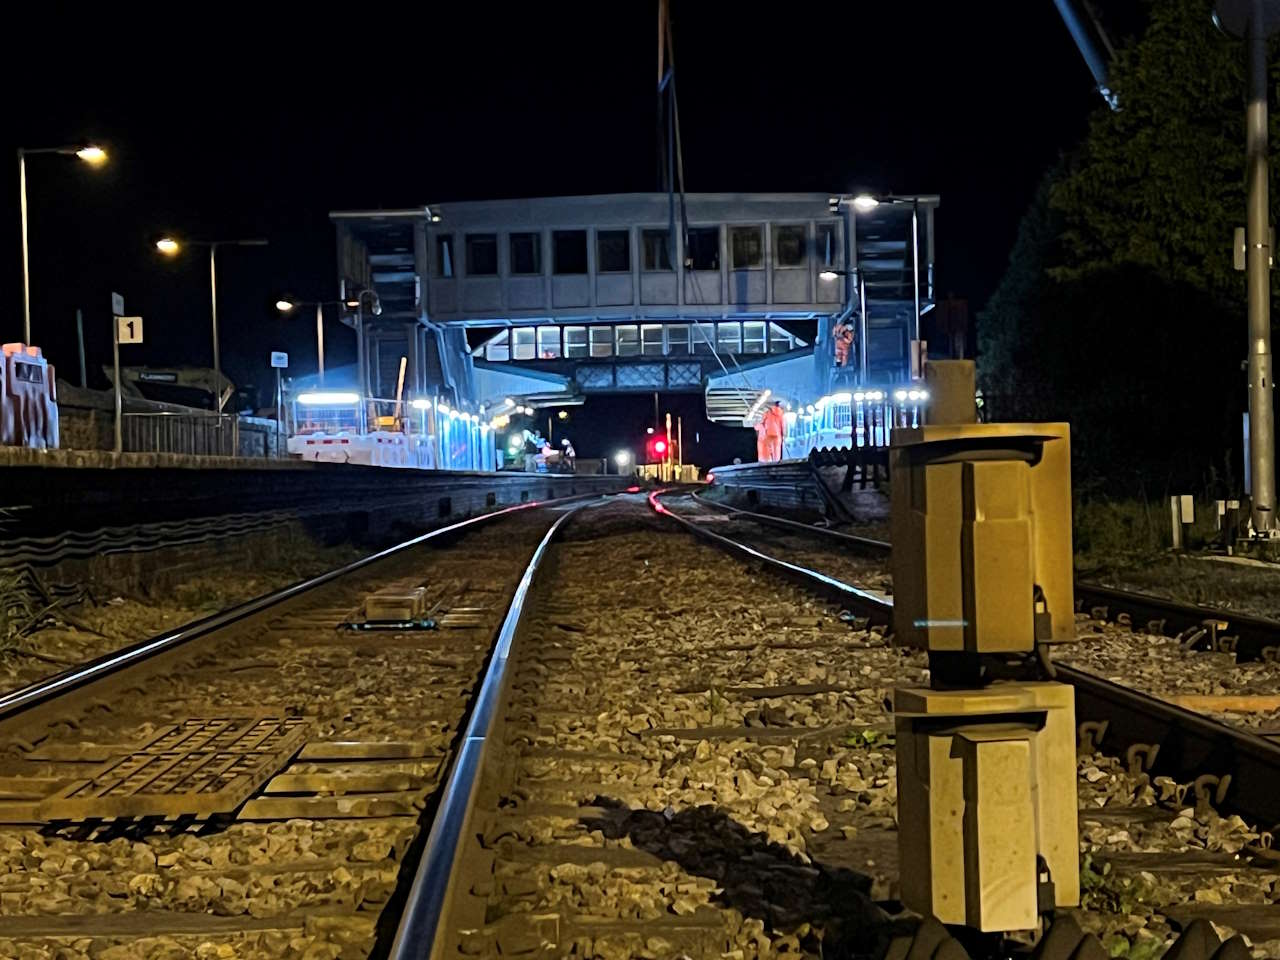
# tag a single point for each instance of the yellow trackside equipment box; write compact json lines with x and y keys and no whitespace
{"x":986,"y":784}
{"x":981,"y":529}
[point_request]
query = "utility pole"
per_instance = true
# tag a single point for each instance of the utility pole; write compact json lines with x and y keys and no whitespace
{"x":1254,"y":20}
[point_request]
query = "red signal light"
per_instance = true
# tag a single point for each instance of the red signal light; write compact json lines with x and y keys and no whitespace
{"x":659,"y":447}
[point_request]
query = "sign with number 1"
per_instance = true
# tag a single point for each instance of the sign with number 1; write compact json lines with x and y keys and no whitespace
{"x":129,"y":329}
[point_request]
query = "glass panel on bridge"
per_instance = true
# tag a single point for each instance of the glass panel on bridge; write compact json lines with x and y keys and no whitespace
{"x":499,"y":348}
{"x":779,"y":340}
{"x":613,"y":251}
{"x":703,"y":336}
{"x":651,"y":339}
{"x":728,"y":338}
{"x":526,"y":253}
{"x":444,"y":256}
{"x":788,"y":246}
{"x":570,"y":250}
{"x":575,"y":342}
{"x":548,"y":343}
{"x":677,"y":338}
{"x":602,"y":341}
{"x":656,"y":255}
{"x":747,"y":247}
{"x":628,"y":340}
{"x":753,"y":336}
{"x":704,"y":248}
{"x":482,"y":254}
{"x":522,"y":343}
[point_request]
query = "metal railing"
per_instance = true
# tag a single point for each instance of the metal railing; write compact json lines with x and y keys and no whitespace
{"x":200,"y":434}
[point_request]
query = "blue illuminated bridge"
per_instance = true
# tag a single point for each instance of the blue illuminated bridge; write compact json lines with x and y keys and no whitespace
{"x":557,"y":298}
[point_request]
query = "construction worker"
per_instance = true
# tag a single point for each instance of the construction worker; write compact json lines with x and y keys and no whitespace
{"x":775,"y":430}
{"x":842,"y":337}
{"x":762,"y":445}
{"x":569,"y":455}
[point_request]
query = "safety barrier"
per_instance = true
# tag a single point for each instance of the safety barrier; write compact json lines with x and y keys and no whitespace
{"x":862,"y":419}
{"x":28,"y":399}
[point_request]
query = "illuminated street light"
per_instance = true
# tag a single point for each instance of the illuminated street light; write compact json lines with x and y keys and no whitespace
{"x":171,"y":247}
{"x":94,"y":156}
{"x":622,"y":458}
{"x":865,"y":202}
{"x":288,"y":305}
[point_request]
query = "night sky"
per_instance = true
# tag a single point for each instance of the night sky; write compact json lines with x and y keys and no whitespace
{"x":241,"y":128}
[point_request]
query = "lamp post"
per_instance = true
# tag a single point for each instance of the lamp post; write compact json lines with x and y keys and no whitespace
{"x":171,"y":248}
{"x":288,"y":304}
{"x":1254,"y":21}
{"x":375,"y":307}
{"x":95,"y":157}
{"x":855,"y":283}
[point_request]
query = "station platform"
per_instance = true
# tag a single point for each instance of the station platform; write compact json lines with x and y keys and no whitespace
{"x":802,"y":489}
{"x":62,"y":504}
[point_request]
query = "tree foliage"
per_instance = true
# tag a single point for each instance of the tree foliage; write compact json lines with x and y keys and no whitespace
{"x":1120,"y":309}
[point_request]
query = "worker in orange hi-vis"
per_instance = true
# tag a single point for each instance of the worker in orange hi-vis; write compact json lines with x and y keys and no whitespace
{"x":842,"y":336}
{"x":775,"y":429}
{"x":762,"y":445}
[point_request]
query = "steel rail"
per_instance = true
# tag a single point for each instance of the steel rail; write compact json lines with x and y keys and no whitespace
{"x":16,"y":702}
{"x":422,"y":930}
{"x":1190,"y":744}
{"x":1254,"y":638}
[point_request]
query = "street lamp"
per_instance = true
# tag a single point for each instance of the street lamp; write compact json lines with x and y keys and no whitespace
{"x":92,"y":155}
{"x":288,"y":305}
{"x":171,"y":248}
{"x":357,"y":303}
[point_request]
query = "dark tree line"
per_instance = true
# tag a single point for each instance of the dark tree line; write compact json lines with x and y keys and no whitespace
{"x":1120,"y":310}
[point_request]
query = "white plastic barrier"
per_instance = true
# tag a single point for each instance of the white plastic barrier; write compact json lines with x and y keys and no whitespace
{"x":387,"y":449}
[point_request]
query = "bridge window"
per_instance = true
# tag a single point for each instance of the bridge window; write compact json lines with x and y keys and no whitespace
{"x":444,"y":256}
{"x":677,"y":338}
{"x":779,"y":339}
{"x":570,"y":248}
{"x":651,"y":339}
{"x":482,"y":254}
{"x":628,"y":340}
{"x":602,"y":341}
{"x":703,"y":337}
{"x":704,"y":249}
{"x":526,"y":253}
{"x":613,"y":251}
{"x":788,"y":246}
{"x":729,"y":337}
{"x":753,"y":336}
{"x":548,"y":343}
{"x":499,"y":348}
{"x":747,"y":246}
{"x":575,"y":342}
{"x":825,"y":245}
{"x":656,"y":256}
{"x":522,"y":343}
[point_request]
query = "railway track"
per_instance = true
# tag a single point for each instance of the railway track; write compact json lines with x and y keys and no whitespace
{"x":1194,"y":760}
{"x":556,"y":770}
{"x":254,"y":784}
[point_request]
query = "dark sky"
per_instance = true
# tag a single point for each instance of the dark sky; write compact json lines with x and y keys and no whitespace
{"x":242,"y":128}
